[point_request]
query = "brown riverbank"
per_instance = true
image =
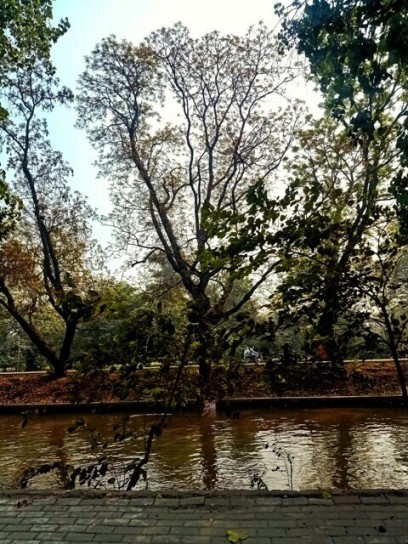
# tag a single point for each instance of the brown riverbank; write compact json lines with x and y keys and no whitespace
{"x":374,"y":378}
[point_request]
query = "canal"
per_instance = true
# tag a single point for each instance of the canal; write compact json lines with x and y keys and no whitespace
{"x":341,"y":448}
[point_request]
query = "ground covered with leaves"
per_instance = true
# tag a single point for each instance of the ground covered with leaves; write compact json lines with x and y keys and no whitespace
{"x":274,"y":380}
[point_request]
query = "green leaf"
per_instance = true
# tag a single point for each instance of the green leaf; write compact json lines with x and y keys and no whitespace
{"x":236,"y":537}
{"x":326,"y":495}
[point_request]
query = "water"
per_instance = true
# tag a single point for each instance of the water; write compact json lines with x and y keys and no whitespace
{"x":331,"y":448}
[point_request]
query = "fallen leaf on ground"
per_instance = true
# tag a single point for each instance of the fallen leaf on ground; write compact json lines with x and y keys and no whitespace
{"x":236,"y":537}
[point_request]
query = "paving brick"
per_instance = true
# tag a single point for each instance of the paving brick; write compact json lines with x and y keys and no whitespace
{"x":397,"y":500}
{"x":107,"y":538}
{"x":268,"y":501}
{"x":167,"y":502}
{"x":45,"y":500}
{"x":192,"y":501}
{"x":111,"y":521}
{"x":78,"y":537}
{"x":93,"y":502}
{"x":211,"y":502}
{"x":212,"y":531}
{"x":100,"y":529}
{"x":140,"y":522}
{"x":195,"y":540}
{"x":349,"y":540}
{"x":129,"y":530}
{"x":181,"y":531}
{"x":21,"y":535}
{"x":47,"y":537}
{"x":195,"y":520}
{"x":18,"y":527}
{"x":73,"y":527}
{"x":282,"y":523}
{"x":27,"y":542}
{"x":8,"y":508}
{"x":320,"y":502}
{"x":346,"y":499}
{"x":159,"y":530}
{"x":44,"y":527}
{"x":147,"y":501}
{"x":375,"y":500}
{"x":168,"y":539}
{"x":294,"y":501}
{"x":77,"y":521}
{"x":176,"y":522}
{"x":138,"y":539}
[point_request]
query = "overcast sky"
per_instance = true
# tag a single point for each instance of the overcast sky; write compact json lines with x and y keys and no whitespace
{"x":91,"y":20}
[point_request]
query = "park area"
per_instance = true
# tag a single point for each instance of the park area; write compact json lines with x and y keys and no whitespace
{"x":204,"y":313}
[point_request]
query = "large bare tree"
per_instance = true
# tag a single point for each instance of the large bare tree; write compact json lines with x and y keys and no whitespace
{"x":185,"y":128}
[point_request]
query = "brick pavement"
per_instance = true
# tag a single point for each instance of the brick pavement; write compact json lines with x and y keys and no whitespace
{"x":285,"y":518}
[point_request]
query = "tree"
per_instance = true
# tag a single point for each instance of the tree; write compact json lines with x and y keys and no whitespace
{"x":358,"y":48}
{"x":173,"y":184}
{"x":340,"y":193}
{"x":356,"y":59}
{"x":26,"y":35}
{"x":379,"y":275}
{"x":131,"y":328}
{"x":45,"y":261}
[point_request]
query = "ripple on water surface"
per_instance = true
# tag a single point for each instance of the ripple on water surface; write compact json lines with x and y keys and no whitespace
{"x":344,"y":448}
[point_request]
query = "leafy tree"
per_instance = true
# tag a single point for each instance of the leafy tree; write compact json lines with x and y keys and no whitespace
{"x":173,"y":184}
{"x":339,"y":193}
{"x":379,"y":274}
{"x":130,"y":328}
{"x":45,"y":261}
{"x":26,"y":34}
{"x":357,"y":55}
{"x":357,"y":48}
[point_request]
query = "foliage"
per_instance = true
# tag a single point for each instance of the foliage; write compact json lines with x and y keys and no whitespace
{"x":380,"y":276}
{"x":357,"y":55}
{"x":338,"y":197}
{"x":358,"y":48}
{"x":26,"y":35}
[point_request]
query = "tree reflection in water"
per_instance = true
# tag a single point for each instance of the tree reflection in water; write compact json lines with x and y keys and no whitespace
{"x":343,"y":448}
{"x":208,"y":451}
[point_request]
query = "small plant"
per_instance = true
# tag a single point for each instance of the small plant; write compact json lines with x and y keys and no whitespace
{"x":101,"y":472}
{"x":284,"y":463}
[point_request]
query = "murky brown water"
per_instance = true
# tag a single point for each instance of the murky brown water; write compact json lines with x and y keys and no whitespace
{"x":343,"y":448}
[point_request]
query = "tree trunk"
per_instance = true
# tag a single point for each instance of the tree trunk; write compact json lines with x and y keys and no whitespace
{"x":57,"y":366}
{"x":400,"y":374}
{"x":394,"y":353}
{"x":70,"y":330}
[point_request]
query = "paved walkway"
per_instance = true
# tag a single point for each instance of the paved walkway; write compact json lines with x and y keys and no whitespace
{"x":367,"y":518}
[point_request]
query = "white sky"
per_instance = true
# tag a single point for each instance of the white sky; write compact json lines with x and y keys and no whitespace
{"x":91,"y":20}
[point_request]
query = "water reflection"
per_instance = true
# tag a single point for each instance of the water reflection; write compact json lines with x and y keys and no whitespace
{"x":343,"y":448}
{"x":207,"y":430}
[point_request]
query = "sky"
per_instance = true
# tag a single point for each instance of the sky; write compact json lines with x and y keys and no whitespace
{"x":92,"y":20}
